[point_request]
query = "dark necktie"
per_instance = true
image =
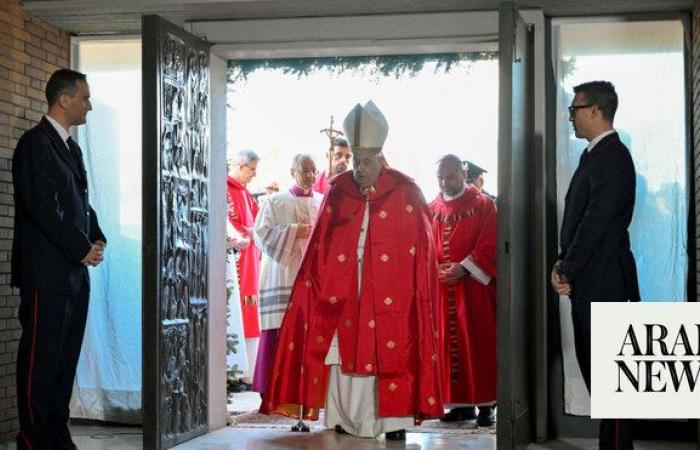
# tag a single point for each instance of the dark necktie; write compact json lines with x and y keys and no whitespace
{"x":75,"y":155}
{"x":71,"y":144}
{"x":584,"y":156}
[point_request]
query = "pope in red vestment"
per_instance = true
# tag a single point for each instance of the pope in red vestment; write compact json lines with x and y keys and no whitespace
{"x":242,"y":213}
{"x":464,"y":227}
{"x":383,"y":322}
{"x":390,"y":333}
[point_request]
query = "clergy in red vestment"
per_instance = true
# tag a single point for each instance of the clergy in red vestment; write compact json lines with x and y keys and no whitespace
{"x":340,"y":160}
{"x":358,"y":335}
{"x":464,"y":226}
{"x":242,"y":213}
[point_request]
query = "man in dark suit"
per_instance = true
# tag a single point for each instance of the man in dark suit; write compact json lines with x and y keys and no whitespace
{"x":56,"y":238}
{"x":596,"y":262}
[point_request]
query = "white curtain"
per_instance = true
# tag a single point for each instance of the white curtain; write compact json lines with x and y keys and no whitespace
{"x":645,"y":62}
{"x":108,"y":381}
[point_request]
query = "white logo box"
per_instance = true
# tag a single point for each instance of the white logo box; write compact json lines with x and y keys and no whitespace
{"x":647,"y":390}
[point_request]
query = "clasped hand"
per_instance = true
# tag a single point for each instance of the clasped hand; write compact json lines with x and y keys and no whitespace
{"x":559,"y":281}
{"x":238,"y":244}
{"x":96,"y":254}
{"x":303,"y":230}
{"x":450,"y":273}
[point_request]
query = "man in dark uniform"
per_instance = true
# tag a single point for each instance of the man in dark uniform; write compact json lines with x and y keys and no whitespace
{"x":475,"y":176}
{"x":56,"y":238}
{"x":596,"y":262}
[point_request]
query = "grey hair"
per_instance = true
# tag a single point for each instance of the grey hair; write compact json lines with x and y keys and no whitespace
{"x":246,"y":156}
{"x":298,"y":158}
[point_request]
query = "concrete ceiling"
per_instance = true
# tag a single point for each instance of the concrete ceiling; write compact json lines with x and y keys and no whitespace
{"x":110,"y":16}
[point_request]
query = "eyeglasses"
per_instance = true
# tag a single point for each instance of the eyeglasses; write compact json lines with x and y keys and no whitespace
{"x":573,"y":108}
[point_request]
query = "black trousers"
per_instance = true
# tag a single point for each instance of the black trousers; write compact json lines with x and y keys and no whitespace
{"x":53,"y":326}
{"x":614,"y":434}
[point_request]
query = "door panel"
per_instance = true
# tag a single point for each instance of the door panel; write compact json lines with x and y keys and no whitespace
{"x":176,"y":215}
{"x":514,"y":229}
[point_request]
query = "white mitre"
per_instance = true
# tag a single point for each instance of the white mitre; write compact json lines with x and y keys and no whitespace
{"x":365,"y":128}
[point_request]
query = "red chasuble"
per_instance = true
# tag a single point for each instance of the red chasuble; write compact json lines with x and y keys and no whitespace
{"x":241,"y":212}
{"x":388,"y":332}
{"x":466,"y":226}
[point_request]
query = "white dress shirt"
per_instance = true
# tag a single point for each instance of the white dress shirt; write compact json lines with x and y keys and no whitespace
{"x":59,"y":128}
{"x":598,"y":138}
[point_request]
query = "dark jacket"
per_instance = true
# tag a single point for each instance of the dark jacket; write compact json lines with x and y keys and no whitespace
{"x":54,"y":223}
{"x":595,"y":244}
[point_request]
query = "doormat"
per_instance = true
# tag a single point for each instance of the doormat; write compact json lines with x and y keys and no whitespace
{"x":254,"y":419}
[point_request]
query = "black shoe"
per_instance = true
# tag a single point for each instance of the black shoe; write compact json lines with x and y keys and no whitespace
{"x":64,"y":441}
{"x":65,"y":446}
{"x":398,"y":435}
{"x":486,"y":416}
{"x":459,"y":414}
{"x":27,"y":442}
{"x":237,"y":386}
{"x":340,"y":430}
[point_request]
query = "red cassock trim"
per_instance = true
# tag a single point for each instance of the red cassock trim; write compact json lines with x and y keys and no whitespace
{"x":26,"y":440}
{"x":31,"y":357}
{"x":390,"y":333}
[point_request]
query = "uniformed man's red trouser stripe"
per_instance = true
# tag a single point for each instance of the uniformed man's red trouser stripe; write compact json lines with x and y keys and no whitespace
{"x":31,"y":357}
{"x":26,"y":441}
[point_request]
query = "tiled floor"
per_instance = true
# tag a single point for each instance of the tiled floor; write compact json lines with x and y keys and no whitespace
{"x":95,"y":438}
{"x":275,"y":435}
{"x":266,"y":439}
{"x":110,"y":438}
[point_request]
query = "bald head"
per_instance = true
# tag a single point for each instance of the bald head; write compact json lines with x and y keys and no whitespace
{"x":451,"y":175}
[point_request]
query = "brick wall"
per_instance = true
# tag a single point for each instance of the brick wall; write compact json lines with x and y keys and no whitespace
{"x":30,"y":50}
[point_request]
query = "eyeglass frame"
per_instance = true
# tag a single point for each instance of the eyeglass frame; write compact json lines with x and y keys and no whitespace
{"x":573,"y":108}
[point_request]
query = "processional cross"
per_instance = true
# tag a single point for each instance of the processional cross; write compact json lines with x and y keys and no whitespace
{"x":331,"y":133}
